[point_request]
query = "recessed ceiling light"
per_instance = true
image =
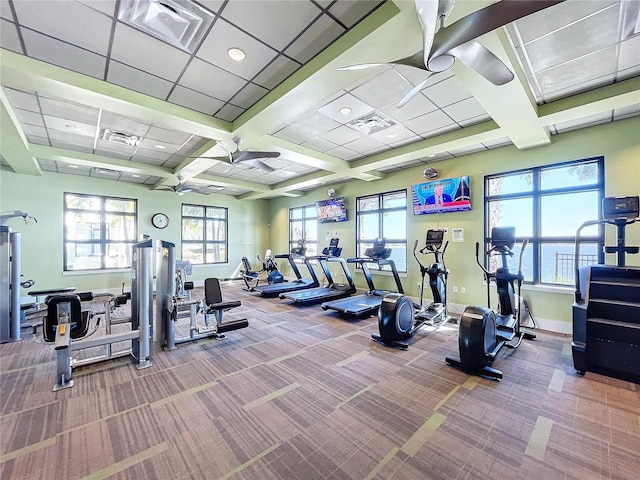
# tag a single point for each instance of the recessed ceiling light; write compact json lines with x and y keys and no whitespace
{"x":236,"y":54}
{"x":392,"y":135}
{"x":73,"y":166}
{"x":161,"y":147}
{"x":345,"y":110}
{"x":432,"y":155}
{"x":135,"y":176}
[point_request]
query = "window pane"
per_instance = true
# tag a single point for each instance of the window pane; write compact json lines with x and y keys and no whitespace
{"x":312,"y":249}
{"x":398,"y":255}
{"x":394,"y":200}
{"x":120,"y":227}
{"x":310,"y":211}
{"x":85,"y":203}
{"x":83,"y":256}
{"x":216,"y":230}
{"x":517,"y":212}
{"x":192,"y":252}
{"x":557,"y":261}
{"x":311,"y":231}
{"x":192,"y":210}
{"x":495,"y":261}
{"x":506,"y":184}
{"x":192,"y":229}
{"x":213,"y":212}
{"x":118,"y":255}
{"x":563,"y":214}
{"x":295,"y":230}
{"x":366,"y":204}
{"x":569,"y":176}
{"x":119,"y":205}
{"x":295,"y":213}
{"x":368,"y":226}
{"x":82,"y":226}
{"x":394,"y":225}
{"x":216,"y":253}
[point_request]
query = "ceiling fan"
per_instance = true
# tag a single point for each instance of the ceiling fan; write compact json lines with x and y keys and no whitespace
{"x":250,"y":157}
{"x":457,"y":41}
{"x":182,"y":187}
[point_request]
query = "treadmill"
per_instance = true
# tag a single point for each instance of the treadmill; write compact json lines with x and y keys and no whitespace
{"x":275,"y":289}
{"x":332,"y":290}
{"x":368,"y":303}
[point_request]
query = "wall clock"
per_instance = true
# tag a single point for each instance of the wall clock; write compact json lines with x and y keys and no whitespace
{"x":160,"y":220}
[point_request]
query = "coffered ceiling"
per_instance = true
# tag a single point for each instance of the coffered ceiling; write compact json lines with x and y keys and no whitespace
{"x":86,"y":93}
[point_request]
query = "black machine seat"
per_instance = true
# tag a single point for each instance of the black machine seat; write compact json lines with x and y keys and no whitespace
{"x":78,"y":319}
{"x":213,"y":297}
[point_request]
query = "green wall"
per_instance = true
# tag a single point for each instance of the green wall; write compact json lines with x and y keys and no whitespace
{"x":618,"y":142}
{"x":42,"y":249}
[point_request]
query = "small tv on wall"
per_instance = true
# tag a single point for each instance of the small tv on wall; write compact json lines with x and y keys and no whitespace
{"x":441,"y":196}
{"x":331,"y":210}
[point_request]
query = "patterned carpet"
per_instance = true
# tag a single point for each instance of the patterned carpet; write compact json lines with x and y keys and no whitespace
{"x":304,"y":394}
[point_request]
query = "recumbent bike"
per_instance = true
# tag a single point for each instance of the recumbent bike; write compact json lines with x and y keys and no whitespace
{"x":484,"y":332}
{"x":252,"y":278}
{"x":399,"y":318}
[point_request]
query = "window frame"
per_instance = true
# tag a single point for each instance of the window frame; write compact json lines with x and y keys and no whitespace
{"x":380,"y":211}
{"x":537,"y":240}
{"x":203,"y":242}
{"x":102,"y":241}
{"x":304,"y":219}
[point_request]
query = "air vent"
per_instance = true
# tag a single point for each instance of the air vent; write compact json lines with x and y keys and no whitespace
{"x":178,"y":22}
{"x":120,"y":138}
{"x":106,"y":171}
{"x":371,"y":123}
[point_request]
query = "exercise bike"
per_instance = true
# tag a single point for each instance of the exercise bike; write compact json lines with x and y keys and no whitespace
{"x":399,"y":318}
{"x":252,"y":278}
{"x":484,"y":332}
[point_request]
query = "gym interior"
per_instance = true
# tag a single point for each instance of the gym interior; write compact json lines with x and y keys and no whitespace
{"x":158,"y":201}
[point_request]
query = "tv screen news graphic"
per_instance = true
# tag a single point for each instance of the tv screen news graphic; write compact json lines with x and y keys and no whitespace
{"x":441,"y":196}
{"x":331,"y":210}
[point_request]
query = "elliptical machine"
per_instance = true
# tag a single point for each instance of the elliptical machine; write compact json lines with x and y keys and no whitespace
{"x":399,"y":318}
{"x":483,"y":332}
{"x":252,"y":278}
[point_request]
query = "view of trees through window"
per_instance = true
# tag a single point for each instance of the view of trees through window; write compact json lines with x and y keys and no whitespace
{"x":98,"y":232}
{"x":547,"y":205}
{"x":303,"y":225}
{"x":204,"y":234}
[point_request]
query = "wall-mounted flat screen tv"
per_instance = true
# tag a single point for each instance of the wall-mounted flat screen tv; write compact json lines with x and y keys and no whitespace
{"x":331,"y":210}
{"x":441,"y":196}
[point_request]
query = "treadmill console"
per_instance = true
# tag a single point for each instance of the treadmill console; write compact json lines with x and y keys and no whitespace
{"x":620,"y":207}
{"x":379,"y":250}
{"x":333,"y":250}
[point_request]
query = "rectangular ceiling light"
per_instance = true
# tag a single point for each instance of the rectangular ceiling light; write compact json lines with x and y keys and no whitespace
{"x":181,"y":23}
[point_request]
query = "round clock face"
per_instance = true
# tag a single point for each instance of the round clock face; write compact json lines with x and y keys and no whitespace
{"x":160,"y":220}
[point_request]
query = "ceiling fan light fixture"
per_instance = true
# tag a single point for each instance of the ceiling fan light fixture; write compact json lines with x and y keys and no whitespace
{"x":236,"y":54}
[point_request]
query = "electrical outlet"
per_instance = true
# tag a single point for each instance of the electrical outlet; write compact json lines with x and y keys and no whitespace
{"x":455,"y":289}
{"x":462,"y":290}
{"x":419,"y":285}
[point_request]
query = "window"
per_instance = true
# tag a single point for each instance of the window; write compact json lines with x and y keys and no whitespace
{"x":204,"y":234}
{"x":547,"y":205}
{"x":383,"y":215}
{"x":303,"y":225}
{"x":98,"y":232}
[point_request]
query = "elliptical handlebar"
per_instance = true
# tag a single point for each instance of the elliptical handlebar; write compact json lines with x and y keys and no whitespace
{"x":487,"y":273}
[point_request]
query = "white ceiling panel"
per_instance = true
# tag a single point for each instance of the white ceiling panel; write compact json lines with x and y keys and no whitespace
{"x":34,"y":130}
{"x":9,"y":38}
{"x":249,"y":95}
{"x":137,"y":80}
{"x":37,"y":140}
{"x":589,"y":120}
{"x":458,"y":152}
{"x":211,"y":80}
{"x":129,"y":126}
{"x":342,"y":135}
{"x":366,"y":145}
{"x":224,"y":36}
{"x":357,"y":106}
{"x":313,"y":40}
{"x":383,"y":89}
{"x":108,"y":7}
{"x":23,"y":100}
{"x":276,"y":72}
{"x":465,"y":109}
{"x":319,"y":144}
{"x":429,"y":122}
{"x":394,"y":134}
{"x":70,"y":126}
{"x":197,"y":101}
{"x":167,"y":136}
{"x":629,"y":53}
{"x":349,"y":12}
{"x":419,"y":105}
{"x":129,"y":47}
{"x":71,"y":22}
{"x":28,"y":117}
{"x":229,"y":112}
{"x":63,"y":54}
{"x":70,"y":111}
{"x":446,"y":92}
{"x":315,"y":123}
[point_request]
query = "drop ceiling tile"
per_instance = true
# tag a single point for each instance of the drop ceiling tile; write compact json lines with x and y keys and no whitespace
{"x":77,"y":170}
{"x":71,"y":22}
{"x":498,"y":142}
{"x":149,"y":161}
{"x":446,"y":92}
{"x":69,"y":126}
{"x":626,"y":112}
{"x":474,"y":120}
{"x":133,"y":178}
{"x":210,"y":80}
{"x":286,"y":19}
{"x":22,"y":100}
{"x":105,"y":174}
{"x":429,"y":122}
{"x":465,"y":109}
{"x":224,"y":36}
{"x":138,"y":81}
{"x":357,"y":106}
{"x":34,"y":130}
{"x":132,"y":48}
{"x":342,"y":135}
{"x":108,"y":7}
{"x":47,"y":165}
{"x":315,"y":123}
{"x":69,"y":111}
{"x":458,"y":152}
{"x":114,"y":149}
{"x":629,"y":53}
{"x":319,"y":144}
{"x":394,"y":134}
{"x":70,"y":143}
{"x":581,"y":38}
{"x":589,"y":120}
{"x":276,"y":72}
{"x":212,"y":5}
{"x":383,"y":89}
{"x":63,"y":54}
{"x":155,"y":153}
{"x":5,"y":10}
{"x":350,"y":12}
{"x":365,"y":145}
{"x":249,"y":95}
{"x":419,"y":105}
{"x":169,"y":136}
{"x":185,"y":97}
{"x":229,"y":112}
{"x":323,"y":32}
{"x":124,"y":125}
{"x":165,"y":148}
{"x":27,"y":117}
{"x":9,"y":38}
{"x":440,"y":131}
{"x":38,"y":140}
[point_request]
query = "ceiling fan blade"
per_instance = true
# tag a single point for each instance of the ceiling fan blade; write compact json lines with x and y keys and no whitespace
{"x":416,"y":60}
{"x":259,"y":164}
{"x":414,"y":91}
{"x":483,"y":21}
{"x":360,"y":66}
{"x":427,"y":11}
{"x":479,"y":58}
{"x":244,"y":155}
